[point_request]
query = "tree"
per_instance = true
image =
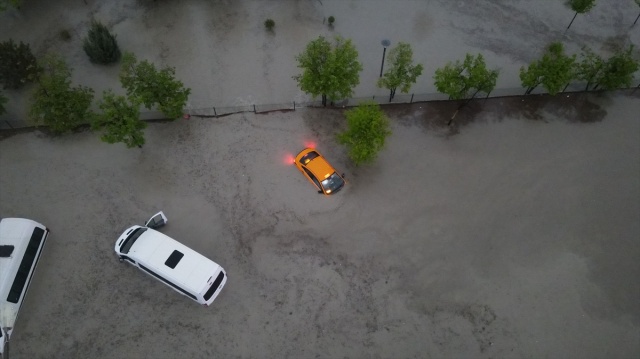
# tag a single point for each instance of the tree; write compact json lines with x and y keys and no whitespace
{"x":143,"y":81}
{"x":269,"y":24}
{"x":120,"y":120}
{"x":590,"y":68}
{"x":329,"y":71}
{"x":55,"y":103}
{"x":4,"y":4}
{"x":3,"y":100}
{"x":100,"y":45}
{"x":554,"y":71}
{"x":618,"y":71}
{"x":580,"y":7}
{"x":17,"y":64}
{"x":401,"y":72}
{"x":368,"y":128}
{"x":458,"y":79}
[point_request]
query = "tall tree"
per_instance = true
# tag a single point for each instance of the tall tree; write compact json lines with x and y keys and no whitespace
{"x":55,"y":103}
{"x":590,"y":68}
{"x":580,"y":7}
{"x":17,"y":64}
{"x":618,"y":70}
{"x":100,"y":45}
{"x":460,"y":80}
{"x":120,"y":120}
{"x":143,"y":81}
{"x":554,"y":71}
{"x":367,"y":130}
{"x":401,"y":72}
{"x":3,"y":100}
{"x":330,"y":70}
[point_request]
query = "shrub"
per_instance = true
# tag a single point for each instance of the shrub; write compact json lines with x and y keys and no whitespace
{"x":331,"y":20}
{"x":269,"y":24}
{"x":100,"y":45}
{"x":17,"y":64}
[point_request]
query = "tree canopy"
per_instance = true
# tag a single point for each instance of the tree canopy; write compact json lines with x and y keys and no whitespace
{"x":120,"y":120}
{"x":401,"y":71}
{"x":143,"y":81}
{"x":458,"y":79}
{"x":582,"y":6}
{"x":5,"y":4}
{"x":329,"y":70}
{"x":618,"y":70}
{"x":553,"y":71}
{"x":368,"y":128}
{"x":3,"y":100}
{"x":100,"y":45}
{"x":17,"y":64}
{"x":55,"y":102}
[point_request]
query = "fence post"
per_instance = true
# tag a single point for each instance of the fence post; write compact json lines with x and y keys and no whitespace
{"x":411,"y":99}
{"x":214,"y":112}
{"x":254,"y":108}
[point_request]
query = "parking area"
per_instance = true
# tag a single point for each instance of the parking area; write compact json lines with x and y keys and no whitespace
{"x":515,"y":237}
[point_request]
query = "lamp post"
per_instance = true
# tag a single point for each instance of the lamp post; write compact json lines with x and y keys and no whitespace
{"x":385,"y":43}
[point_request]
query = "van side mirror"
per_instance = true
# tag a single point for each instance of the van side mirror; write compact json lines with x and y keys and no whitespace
{"x":343,"y":175}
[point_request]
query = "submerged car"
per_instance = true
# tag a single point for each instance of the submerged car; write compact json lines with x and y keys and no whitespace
{"x":319,"y":172}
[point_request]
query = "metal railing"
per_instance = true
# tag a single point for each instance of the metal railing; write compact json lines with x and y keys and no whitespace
{"x":219,"y":111}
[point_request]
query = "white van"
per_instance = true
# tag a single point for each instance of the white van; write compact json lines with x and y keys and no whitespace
{"x":21,"y":244}
{"x":181,"y":268}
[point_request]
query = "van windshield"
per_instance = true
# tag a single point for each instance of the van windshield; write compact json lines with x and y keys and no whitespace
{"x":133,"y":237}
{"x":214,"y":286}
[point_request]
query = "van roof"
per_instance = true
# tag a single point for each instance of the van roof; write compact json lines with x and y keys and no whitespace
{"x":192,"y":270}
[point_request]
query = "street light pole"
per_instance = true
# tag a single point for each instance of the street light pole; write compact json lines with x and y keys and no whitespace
{"x":385,"y":43}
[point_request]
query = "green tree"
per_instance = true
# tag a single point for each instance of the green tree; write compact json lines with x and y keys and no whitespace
{"x":120,"y":120}
{"x":3,"y":100}
{"x":4,"y":4}
{"x":143,"y":81}
{"x":590,"y":68}
{"x":459,"y":80}
{"x":401,"y":72}
{"x":580,"y":7}
{"x":554,"y":71}
{"x":100,"y":45}
{"x":368,"y":128}
{"x":618,"y":70}
{"x":330,"y":71}
{"x":55,"y":103}
{"x":17,"y":64}
{"x":269,"y":24}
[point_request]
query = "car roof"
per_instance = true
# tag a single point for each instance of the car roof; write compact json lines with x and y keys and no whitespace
{"x":192,"y":271}
{"x":320,"y":167}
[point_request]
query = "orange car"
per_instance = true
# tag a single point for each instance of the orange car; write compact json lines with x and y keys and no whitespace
{"x":319,"y":171}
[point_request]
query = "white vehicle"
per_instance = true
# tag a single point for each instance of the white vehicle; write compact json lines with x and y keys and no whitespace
{"x":181,"y":268}
{"x":21,"y":244}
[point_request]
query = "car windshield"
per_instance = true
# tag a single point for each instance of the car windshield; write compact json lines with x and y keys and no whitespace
{"x":332,"y":183}
{"x":308,"y":157}
{"x":133,"y":237}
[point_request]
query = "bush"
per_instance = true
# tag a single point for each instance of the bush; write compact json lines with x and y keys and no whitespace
{"x":100,"y":45}
{"x":368,"y":128}
{"x":269,"y":24}
{"x":17,"y":64}
{"x":331,"y":20}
